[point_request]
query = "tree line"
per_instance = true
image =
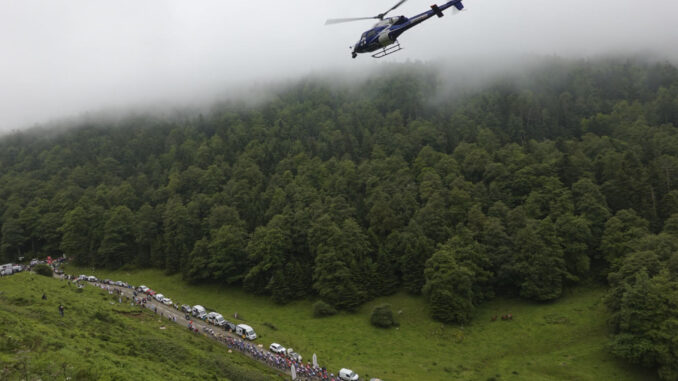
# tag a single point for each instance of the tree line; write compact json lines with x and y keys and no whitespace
{"x":524,"y":187}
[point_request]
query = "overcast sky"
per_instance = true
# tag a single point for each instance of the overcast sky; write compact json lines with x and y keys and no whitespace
{"x":65,"y":57}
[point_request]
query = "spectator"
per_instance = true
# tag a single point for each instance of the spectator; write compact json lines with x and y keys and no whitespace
{"x":61,"y":310}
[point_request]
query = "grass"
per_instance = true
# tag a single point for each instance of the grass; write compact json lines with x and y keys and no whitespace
{"x":100,"y":339}
{"x":564,"y":340}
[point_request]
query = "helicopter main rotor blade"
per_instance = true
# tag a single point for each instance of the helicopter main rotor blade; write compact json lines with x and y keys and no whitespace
{"x":381,"y":16}
{"x":337,"y":21}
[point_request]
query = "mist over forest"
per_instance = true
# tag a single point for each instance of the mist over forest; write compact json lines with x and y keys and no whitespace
{"x":66,"y":58}
{"x":534,"y":183}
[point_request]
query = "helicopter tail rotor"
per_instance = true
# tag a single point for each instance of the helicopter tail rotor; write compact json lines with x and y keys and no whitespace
{"x":437,"y":10}
{"x":458,"y":7}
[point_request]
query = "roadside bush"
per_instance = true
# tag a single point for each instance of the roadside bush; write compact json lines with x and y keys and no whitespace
{"x":43,"y":269}
{"x":103,"y":316}
{"x":270,"y":325}
{"x":322,"y":309}
{"x":382,"y":316}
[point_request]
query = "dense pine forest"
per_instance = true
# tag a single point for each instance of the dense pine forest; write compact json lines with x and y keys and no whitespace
{"x":566,"y":175}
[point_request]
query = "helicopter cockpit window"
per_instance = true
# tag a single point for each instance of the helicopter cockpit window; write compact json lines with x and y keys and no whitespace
{"x":369,"y":34}
{"x":401,"y":20}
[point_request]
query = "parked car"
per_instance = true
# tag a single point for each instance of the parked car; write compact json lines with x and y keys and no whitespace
{"x":292,"y":355}
{"x":159,"y":297}
{"x":277,"y":348}
{"x":166,"y":301}
{"x":92,"y":278}
{"x":186,"y":308}
{"x":142,"y":288}
{"x":229,"y":326}
{"x":348,"y":375}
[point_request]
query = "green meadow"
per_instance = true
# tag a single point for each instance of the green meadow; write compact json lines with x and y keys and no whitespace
{"x":564,"y":340}
{"x":100,"y":339}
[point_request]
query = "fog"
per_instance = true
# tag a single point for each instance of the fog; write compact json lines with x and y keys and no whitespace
{"x":61,"y":58}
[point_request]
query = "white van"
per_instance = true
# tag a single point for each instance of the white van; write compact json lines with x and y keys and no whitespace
{"x":199,"y":311}
{"x":246,"y":331}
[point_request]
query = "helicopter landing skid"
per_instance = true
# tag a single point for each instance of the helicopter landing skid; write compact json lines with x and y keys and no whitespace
{"x":388,"y":50}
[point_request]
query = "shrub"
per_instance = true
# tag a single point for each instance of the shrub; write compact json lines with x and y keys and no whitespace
{"x":43,"y":269}
{"x":103,"y":316}
{"x":382,"y":316}
{"x":270,"y":325}
{"x":322,"y":309}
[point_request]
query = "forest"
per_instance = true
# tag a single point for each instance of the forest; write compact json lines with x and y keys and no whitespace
{"x":563,"y":176}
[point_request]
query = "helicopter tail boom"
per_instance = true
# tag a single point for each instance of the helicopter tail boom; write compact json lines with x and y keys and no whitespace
{"x":438,"y":9}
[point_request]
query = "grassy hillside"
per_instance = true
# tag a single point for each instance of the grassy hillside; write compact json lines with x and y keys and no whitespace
{"x":99,"y":339}
{"x":564,"y":340}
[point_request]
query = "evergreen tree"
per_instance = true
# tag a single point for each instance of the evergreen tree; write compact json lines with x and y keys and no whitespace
{"x":198,"y":269}
{"x":117,"y":247}
{"x":176,"y":235}
{"x":449,"y":288}
{"x":267,"y":253}
{"x":228,"y":254}
{"x":75,"y":243}
{"x":539,"y":262}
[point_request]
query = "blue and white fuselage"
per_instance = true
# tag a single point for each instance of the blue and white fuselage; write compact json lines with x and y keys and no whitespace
{"x":387,"y":31}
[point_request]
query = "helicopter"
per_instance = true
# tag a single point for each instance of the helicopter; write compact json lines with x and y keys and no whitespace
{"x":384,"y":34}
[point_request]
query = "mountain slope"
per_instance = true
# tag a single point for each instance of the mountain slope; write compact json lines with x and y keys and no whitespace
{"x":100,"y":339}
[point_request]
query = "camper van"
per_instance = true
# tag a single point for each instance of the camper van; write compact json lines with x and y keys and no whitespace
{"x":199,"y":311}
{"x":6,"y":269}
{"x":216,"y":318}
{"x":245,"y":331}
